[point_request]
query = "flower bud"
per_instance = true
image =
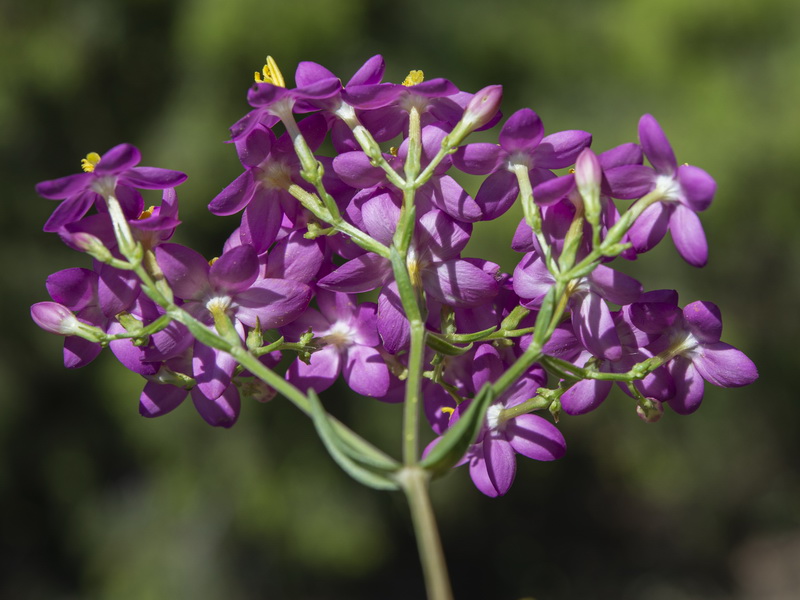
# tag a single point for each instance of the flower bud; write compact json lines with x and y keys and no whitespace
{"x":483,"y":106}
{"x":588,"y":175}
{"x":55,"y":318}
{"x":650,"y":410}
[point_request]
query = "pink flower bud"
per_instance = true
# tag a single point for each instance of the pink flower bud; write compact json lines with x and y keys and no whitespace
{"x":483,"y":106}
{"x":54,"y":317}
{"x":588,"y":175}
{"x":650,"y":410}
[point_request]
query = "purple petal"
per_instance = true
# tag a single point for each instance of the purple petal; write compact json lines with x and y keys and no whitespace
{"x":656,"y":146}
{"x":532,"y":280}
{"x":116,"y":290}
{"x":497,"y":194}
{"x":698,"y":187}
{"x":624,"y":154}
{"x":79,"y":352}
{"x":704,"y":320}
{"x":320,"y":374}
{"x":234,"y":197}
{"x":152,"y":178}
{"x":222,"y":411}
{"x":212,"y":370}
{"x":308,"y":72}
{"x":366,"y":372}
{"x":361,"y":274}
{"x":371,"y":72}
{"x":186,"y":270}
{"x":235,"y":271}
{"x":725,"y":366}
{"x":261,"y":220}
{"x":522,"y":131}
{"x":294,"y":257}
{"x":75,"y":288}
{"x":688,"y":236}
{"x":447,"y":195}
{"x":459,"y":283}
{"x":614,"y":285}
{"x":650,"y":228}
{"x":585,"y":396}
{"x":553,"y":190}
{"x":501,"y":463}
{"x":119,"y":158}
{"x":70,"y":210}
{"x":355,"y":169}
{"x":254,"y":148}
{"x":275,"y":302}
{"x":440,"y":236}
{"x":159,"y":399}
{"x":478,"y":159}
{"x":535,"y":437}
{"x":688,"y":386}
{"x":594,"y":326}
{"x":64,"y":187}
{"x":393,"y":326}
{"x":628,"y":182}
{"x":380,"y":214}
{"x":561,"y":149}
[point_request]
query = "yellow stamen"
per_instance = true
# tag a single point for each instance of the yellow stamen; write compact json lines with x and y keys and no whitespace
{"x":448,"y":410}
{"x":270,"y":74}
{"x":393,"y":151}
{"x":213,"y":260}
{"x":147,"y":213}
{"x":413,"y":78}
{"x":90,"y":162}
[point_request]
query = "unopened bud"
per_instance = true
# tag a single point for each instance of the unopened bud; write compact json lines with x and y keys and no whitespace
{"x":481,"y":109}
{"x":588,"y":175}
{"x":650,"y":410}
{"x":91,"y":244}
{"x":55,"y":318}
{"x":483,"y":106}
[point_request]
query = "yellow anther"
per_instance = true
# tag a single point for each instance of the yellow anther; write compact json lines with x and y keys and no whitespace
{"x":413,"y":78}
{"x":213,"y":260}
{"x":147,"y":213}
{"x":448,"y":410}
{"x":270,"y":74}
{"x":90,"y":162}
{"x":393,"y":150}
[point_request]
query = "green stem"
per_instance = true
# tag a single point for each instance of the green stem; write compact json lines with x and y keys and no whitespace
{"x":415,"y":484}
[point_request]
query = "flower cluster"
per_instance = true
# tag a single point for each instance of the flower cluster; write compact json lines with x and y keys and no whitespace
{"x":352,"y":265}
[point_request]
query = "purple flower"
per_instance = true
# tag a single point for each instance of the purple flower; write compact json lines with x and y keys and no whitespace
{"x":693,"y":335}
{"x":349,"y":337}
{"x":685,"y":190}
{"x":230,"y":286}
{"x":492,"y":458}
{"x":522,"y":143}
{"x":113,"y":174}
{"x":591,"y":317}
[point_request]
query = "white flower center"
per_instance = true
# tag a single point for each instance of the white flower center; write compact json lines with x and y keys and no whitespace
{"x":219,"y":304}
{"x":341,"y":335}
{"x":669,"y":187}
{"x":493,"y":417}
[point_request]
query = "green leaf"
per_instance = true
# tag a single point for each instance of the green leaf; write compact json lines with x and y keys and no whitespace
{"x":354,"y":462}
{"x":440,"y":344}
{"x":457,"y":440}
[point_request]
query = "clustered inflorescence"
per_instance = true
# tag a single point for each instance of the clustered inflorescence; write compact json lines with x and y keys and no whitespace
{"x":384,"y":217}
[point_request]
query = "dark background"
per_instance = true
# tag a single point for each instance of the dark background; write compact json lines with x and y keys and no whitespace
{"x":98,"y":503}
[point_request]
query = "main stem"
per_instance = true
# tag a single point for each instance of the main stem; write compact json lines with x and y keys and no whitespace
{"x":415,"y":483}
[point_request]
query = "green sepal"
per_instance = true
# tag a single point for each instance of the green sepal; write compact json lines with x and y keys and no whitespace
{"x":370,"y":470}
{"x":473,"y":337}
{"x":457,"y":440}
{"x":441,"y":345}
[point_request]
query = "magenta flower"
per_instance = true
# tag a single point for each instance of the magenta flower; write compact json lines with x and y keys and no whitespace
{"x":492,"y":458}
{"x":685,"y":190}
{"x":349,"y":337}
{"x":522,"y":142}
{"x":693,"y":335}
{"x":113,"y":174}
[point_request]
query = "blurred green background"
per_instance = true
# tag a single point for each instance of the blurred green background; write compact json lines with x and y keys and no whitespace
{"x":98,"y":503}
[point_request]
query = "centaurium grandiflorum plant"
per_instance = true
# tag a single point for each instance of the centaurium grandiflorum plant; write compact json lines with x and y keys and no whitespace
{"x":491,"y":359}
